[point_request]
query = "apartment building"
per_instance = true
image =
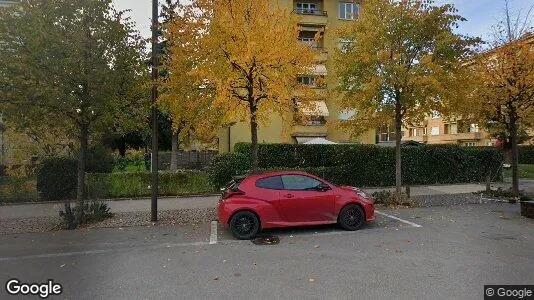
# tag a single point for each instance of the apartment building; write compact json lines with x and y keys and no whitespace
{"x":438,"y":130}
{"x":316,"y":16}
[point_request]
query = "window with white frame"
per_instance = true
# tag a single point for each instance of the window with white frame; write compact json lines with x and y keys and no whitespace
{"x":470,"y":144}
{"x":306,"y":8}
{"x":473,"y":128}
{"x":348,"y":10}
{"x":344,"y":45}
{"x":435,"y":131}
{"x":436,"y":115}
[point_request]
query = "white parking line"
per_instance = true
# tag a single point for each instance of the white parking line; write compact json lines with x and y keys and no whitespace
{"x":398,"y":219}
{"x":213,"y":235}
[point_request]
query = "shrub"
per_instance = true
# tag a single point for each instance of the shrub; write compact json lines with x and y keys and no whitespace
{"x":93,"y":211}
{"x":56,"y":178}
{"x":526,"y":154}
{"x":224,"y":166}
{"x":371,"y":165}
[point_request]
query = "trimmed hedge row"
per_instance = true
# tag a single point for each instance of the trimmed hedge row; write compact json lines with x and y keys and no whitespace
{"x":368,"y":165}
{"x":526,"y":154}
{"x":119,"y":185}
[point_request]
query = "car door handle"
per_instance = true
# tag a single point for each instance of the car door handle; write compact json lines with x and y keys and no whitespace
{"x":288,"y":196}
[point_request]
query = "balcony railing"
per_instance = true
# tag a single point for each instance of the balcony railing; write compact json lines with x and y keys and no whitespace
{"x":312,"y":12}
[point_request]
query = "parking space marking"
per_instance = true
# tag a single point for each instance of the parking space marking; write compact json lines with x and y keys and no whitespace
{"x":398,"y":219}
{"x":213,"y":234}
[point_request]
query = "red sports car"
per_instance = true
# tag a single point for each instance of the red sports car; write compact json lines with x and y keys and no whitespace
{"x":290,"y":198}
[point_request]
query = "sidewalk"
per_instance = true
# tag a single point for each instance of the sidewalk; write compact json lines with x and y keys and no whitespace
{"x":142,"y":205}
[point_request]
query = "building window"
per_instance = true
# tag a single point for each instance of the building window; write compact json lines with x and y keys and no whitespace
{"x":425,"y":132}
{"x":447,"y":129}
{"x":348,"y":11}
{"x":470,"y":144}
{"x":315,"y":121}
{"x":435,"y":131}
{"x":414,"y":132}
{"x":436,"y":115}
{"x":386,"y":133}
{"x":344,"y":45}
{"x":473,"y":128}
{"x":489,"y":144}
{"x":307,"y":80}
{"x":306,"y":8}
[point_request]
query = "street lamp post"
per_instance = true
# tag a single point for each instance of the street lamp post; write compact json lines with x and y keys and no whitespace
{"x":154,"y":159}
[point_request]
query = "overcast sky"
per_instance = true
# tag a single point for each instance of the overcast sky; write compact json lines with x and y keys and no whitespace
{"x":480,"y":14}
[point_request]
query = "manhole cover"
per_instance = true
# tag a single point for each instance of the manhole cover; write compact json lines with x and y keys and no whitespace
{"x":266,"y":240}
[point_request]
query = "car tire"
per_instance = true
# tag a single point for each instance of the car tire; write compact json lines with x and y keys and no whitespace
{"x":351,"y":217}
{"x":244,"y":225}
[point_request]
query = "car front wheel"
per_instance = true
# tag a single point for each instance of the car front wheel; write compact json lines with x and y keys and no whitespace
{"x":351,"y":217}
{"x":244,"y":225}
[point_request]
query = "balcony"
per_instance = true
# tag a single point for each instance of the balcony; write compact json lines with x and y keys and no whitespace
{"x":310,"y":12}
{"x":312,"y":16}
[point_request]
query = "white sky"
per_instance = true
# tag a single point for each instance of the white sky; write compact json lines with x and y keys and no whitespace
{"x":481,"y":14}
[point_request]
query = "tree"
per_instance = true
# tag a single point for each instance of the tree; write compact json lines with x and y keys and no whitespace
{"x":75,"y":64}
{"x":246,"y":62}
{"x":401,"y":61}
{"x":505,"y":90}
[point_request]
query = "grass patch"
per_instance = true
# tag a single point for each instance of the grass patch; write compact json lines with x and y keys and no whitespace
{"x":13,"y":190}
{"x":525,"y":172}
{"x":137,"y":184}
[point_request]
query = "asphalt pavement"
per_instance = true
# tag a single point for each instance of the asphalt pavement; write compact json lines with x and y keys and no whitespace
{"x":446,"y":252}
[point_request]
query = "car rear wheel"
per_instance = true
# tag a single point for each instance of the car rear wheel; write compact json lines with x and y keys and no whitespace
{"x":351,"y":217}
{"x":244,"y":225}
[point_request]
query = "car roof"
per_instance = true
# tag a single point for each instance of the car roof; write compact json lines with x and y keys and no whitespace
{"x":278,"y":173}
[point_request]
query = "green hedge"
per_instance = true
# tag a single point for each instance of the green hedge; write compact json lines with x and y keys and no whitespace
{"x":371,"y":165}
{"x":526,"y":155}
{"x":119,"y":185}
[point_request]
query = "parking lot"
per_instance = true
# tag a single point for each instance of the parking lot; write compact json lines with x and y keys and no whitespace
{"x":446,"y":252}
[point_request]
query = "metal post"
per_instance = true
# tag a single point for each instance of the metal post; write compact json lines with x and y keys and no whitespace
{"x":154,"y":158}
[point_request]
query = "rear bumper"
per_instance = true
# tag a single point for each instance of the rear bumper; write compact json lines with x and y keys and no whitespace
{"x":223,"y":214}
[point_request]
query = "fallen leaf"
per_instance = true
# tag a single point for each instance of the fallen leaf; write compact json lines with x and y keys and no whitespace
{"x":62,"y":266}
{"x":311,"y":280}
{"x":216,"y":278}
{"x":316,"y":246}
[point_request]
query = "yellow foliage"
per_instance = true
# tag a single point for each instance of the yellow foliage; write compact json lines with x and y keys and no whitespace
{"x":233,"y":60}
{"x":505,"y":86}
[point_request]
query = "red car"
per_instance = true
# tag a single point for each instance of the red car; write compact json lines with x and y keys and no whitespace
{"x":290,"y":198}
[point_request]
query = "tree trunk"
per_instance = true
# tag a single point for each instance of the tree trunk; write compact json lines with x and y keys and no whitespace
{"x":254,"y":137}
{"x":174,"y":151}
{"x":514,"y":158}
{"x":398,"y":157}
{"x":82,"y":157}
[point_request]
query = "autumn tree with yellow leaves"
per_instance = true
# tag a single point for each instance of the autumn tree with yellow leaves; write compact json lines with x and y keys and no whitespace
{"x":504,"y":91}
{"x":237,"y":59}
{"x":400,"y":61}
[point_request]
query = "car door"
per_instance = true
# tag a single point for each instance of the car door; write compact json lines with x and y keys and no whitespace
{"x":302,"y":202}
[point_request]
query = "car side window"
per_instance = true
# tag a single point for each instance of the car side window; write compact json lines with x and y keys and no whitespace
{"x":272,"y":183}
{"x":299,"y":182}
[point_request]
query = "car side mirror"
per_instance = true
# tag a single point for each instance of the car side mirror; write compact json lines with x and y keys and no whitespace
{"x":323,"y":187}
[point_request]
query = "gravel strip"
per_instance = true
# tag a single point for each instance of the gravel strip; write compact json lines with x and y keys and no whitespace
{"x":165,"y":218}
{"x":27,"y":225}
{"x":122,"y":219}
{"x":446,"y":200}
